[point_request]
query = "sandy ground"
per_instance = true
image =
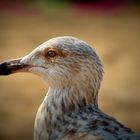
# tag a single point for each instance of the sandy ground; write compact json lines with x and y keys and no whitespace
{"x":116,"y":38}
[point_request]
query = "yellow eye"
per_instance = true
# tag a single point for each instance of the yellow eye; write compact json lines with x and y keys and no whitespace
{"x":51,"y":53}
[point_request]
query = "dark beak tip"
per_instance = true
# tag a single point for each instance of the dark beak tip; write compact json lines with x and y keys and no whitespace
{"x":4,"y":70}
{"x":13,"y":66}
{"x":9,"y":67}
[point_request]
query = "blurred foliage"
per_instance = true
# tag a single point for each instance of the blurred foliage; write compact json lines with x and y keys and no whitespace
{"x":60,"y":6}
{"x":52,"y":6}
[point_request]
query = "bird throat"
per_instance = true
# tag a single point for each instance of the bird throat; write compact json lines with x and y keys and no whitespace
{"x":71,"y":98}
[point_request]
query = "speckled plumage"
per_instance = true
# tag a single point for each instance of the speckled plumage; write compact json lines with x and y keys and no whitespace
{"x":70,"y":109}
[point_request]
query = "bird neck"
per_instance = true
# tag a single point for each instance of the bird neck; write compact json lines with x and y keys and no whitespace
{"x":71,"y":98}
{"x":58,"y":104}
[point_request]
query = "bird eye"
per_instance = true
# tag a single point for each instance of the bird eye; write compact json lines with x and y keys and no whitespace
{"x":51,"y":53}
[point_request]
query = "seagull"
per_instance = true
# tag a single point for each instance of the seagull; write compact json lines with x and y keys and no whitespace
{"x":70,"y":109}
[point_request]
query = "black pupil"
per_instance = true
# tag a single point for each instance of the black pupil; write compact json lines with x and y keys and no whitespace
{"x":51,"y":54}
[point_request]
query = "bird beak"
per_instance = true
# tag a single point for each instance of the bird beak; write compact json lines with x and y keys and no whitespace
{"x":13,"y":66}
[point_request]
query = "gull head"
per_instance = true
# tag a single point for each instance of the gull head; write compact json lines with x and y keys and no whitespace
{"x":61,"y":61}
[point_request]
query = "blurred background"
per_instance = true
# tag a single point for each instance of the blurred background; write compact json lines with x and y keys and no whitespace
{"x":112,"y":27}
